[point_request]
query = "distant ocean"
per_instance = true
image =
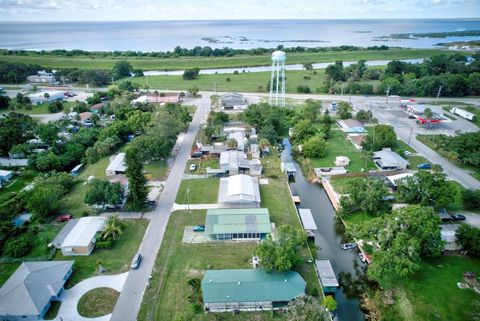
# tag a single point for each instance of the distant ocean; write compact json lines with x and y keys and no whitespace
{"x":165,"y":35}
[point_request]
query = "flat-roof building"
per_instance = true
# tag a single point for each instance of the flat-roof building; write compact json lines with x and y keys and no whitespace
{"x":117,"y":165}
{"x":388,"y":160}
{"x":239,"y":191}
{"x":30,"y":290}
{"x":78,"y":236}
{"x":38,"y":98}
{"x":249,"y":290}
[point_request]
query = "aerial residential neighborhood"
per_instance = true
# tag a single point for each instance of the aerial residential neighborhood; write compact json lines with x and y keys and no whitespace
{"x":321,"y":165}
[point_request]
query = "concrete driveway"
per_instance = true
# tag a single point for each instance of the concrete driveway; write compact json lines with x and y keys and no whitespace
{"x":69,"y":298}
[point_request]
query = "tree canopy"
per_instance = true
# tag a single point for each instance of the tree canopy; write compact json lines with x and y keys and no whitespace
{"x":366,"y":194}
{"x":380,"y":137}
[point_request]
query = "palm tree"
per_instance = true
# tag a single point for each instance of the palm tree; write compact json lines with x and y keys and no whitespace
{"x":113,"y":228}
{"x":428,"y":115}
{"x":232,"y":143}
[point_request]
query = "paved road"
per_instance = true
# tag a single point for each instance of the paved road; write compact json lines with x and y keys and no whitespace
{"x":128,"y":303}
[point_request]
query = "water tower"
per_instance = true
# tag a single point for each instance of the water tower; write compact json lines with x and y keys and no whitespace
{"x":277,"y":81}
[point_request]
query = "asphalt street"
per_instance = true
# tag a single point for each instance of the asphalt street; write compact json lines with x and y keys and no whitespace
{"x":130,"y":299}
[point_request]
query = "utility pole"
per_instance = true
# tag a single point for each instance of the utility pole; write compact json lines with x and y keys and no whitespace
{"x":341,"y":93}
{"x":215,"y":88}
{"x":113,"y":82}
{"x":438,"y":94}
{"x":410,"y":137}
{"x":388,"y":93}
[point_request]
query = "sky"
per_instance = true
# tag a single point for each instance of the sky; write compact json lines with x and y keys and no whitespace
{"x":123,"y":10}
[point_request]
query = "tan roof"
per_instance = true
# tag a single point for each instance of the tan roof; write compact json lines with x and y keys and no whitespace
{"x":357,"y":139}
{"x":85,"y":115}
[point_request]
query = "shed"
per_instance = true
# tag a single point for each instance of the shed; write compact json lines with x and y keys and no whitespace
{"x":239,"y":191}
{"x":342,"y":161}
{"x":249,"y":224}
{"x":307,"y":219}
{"x":80,"y":239}
{"x":249,"y":289}
{"x":326,"y":275}
{"x":5,"y":175}
{"x":29,"y":291}
{"x":117,"y":165}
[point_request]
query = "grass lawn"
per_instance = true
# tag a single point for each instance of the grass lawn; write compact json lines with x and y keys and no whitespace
{"x":43,"y":108}
{"x":7,"y":269}
{"x":97,"y":302}
{"x":115,"y":260}
{"x":53,"y":311}
{"x":73,"y":203}
{"x":432,"y":294}
{"x":415,"y":160}
{"x":10,"y":189}
{"x":157,"y":169}
{"x":338,"y":145}
{"x":357,"y":218}
{"x":202,"y":191}
{"x":202,"y":164}
{"x":146,"y":63}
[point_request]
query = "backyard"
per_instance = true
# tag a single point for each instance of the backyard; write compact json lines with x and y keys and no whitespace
{"x":198,"y":191}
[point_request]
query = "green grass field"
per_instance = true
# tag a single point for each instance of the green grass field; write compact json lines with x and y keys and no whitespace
{"x":201,"y":191}
{"x":115,"y":260}
{"x":202,"y":165}
{"x":97,"y":302}
{"x":157,"y":170}
{"x":432,"y":294}
{"x":52,"y":61}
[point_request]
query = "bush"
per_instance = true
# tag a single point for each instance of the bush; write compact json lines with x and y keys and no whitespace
{"x":17,"y":246}
{"x":191,"y":74}
{"x":107,"y":244}
{"x":303,"y":89}
{"x":471,"y":199}
{"x":315,"y":147}
{"x":55,"y":106}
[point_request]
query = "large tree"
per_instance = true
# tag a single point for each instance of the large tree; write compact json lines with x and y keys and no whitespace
{"x":122,"y":69}
{"x":306,"y":308}
{"x":304,"y":130}
{"x":427,"y":188}
{"x":103,"y":193}
{"x":469,"y":238}
{"x":15,"y":129}
{"x":283,"y":253}
{"x":138,"y":191}
{"x":315,"y":147}
{"x":367,"y":194}
{"x":380,"y":137}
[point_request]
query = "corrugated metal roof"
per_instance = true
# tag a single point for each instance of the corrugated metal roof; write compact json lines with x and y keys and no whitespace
{"x":30,"y":288}
{"x":307,"y":219}
{"x":326,"y":273}
{"x":251,"y":285}
{"x":237,"y":220}
{"x":118,"y":164}
{"x":239,"y":188}
{"x":84,"y":231}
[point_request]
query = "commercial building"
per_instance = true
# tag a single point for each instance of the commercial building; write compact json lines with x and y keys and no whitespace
{"x":351,"y":126}
{"x":388,"y":160}
{"x":78,"y":236}
{"x":30,"y":290}
{"x":249,"y":290}
{"x":238,"y":224}
{"x":117,"y":165}
{"x":233,"y":101}
{"x":418,"y":111}
{"x":45,"y":96}
{"x":239,"y":191}
{"x":42,"y":77}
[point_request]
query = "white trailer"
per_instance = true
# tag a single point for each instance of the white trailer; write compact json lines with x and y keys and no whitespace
{"x":463,"y":113}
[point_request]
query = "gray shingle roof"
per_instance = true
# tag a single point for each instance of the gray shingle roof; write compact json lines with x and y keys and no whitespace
{"x":33,"y":284}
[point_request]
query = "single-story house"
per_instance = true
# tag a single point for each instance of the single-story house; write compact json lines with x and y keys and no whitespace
{"x":357,"y":140}
{"x":234,"y":162}
{"x":448,"y":233}
{"x":388,"y":160}
{"x":5,"y":175}
{"x":239,"y":224}
{"x":215,"y":149}
{"x":249,"y":289}
{"x":30,"y":290}
{"x":255,"y":167}
{"x":240,"y":138}
{"x":239,"y":191}
{"x":38,"y":98}
{"x":233,"y":101}
{"x":78,"y":236}
{"x":96,"y":108}
{"x":351,"y":126}
{"x":160,"y":98}
{"x":86,"y":118}
{"x":117,"y":165}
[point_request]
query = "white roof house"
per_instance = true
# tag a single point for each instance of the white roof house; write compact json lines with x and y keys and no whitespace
{"x":388,"y":160}
{"x":80,"y":236}
{"x":235,"y":161}
{"x":5,"y":175}
{"x":351,"y":126}
{"x":38,"y":97}
{"x":117,"y":165}
{"x":395,"y":178}
{"x":239,"y":191}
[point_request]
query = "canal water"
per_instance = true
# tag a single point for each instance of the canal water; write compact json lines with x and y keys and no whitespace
{"x":328,"y":238}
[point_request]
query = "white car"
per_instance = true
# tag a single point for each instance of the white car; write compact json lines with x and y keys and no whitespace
{"x":193,"y":167}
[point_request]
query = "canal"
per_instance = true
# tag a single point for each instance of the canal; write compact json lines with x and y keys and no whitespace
{"x":327,"y":238}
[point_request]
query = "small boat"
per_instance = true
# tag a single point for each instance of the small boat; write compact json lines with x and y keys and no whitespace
{"x":362,"y":257}
{"x":349,"y":246}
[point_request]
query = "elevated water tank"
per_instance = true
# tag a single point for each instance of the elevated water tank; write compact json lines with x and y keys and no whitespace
{"x":279,"y":56}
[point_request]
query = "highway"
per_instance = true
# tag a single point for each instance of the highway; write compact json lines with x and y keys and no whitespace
{"x":130,"y":299}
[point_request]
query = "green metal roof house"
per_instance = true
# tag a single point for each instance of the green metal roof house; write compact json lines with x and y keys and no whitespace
{"x":243,"y":224}
{"x":249,"y":289}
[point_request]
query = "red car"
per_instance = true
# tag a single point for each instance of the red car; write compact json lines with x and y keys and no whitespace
{"x":64,"y":218}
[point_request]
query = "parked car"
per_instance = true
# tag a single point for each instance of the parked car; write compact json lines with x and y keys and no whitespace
{"x":193,"y":167}
{"x":458,"y":217}
{"x":407,"y":153}
{"x":348,"y":246}
{"x":136,"y":261}
{"x":199,"y":228}
{"x":64,"y":218}
{"x":196,"y":155}
{"x":424,"y":166}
